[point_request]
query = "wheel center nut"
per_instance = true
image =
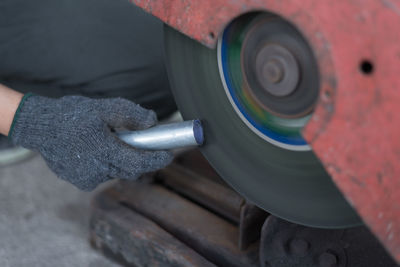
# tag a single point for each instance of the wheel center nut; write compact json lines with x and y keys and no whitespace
{"x":274,"y":71}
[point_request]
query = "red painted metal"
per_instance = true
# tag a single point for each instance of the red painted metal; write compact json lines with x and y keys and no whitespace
{"x":355,"y":129}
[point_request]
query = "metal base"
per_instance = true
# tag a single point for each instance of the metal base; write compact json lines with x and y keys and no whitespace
{"x":185,"y":215}
{"x":177,"y":218}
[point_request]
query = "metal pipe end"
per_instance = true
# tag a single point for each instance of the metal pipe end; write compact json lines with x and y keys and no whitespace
{"x":198,"y":132}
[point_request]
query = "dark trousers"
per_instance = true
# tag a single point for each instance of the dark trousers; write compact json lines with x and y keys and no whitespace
{"x":96,"y":48}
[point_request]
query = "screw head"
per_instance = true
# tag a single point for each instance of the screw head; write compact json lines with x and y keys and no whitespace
{"x":274,"y":71}
{"x":327,"y":259}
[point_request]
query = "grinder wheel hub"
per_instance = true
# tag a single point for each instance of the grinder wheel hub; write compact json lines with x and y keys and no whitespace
{"x":276,"y":70}
{"x":270,"y":76}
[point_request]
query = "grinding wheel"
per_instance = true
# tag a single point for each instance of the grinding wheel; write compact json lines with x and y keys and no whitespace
{"x":253,"y":131}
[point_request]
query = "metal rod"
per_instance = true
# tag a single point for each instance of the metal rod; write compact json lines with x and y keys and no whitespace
{"x":166,"y":136}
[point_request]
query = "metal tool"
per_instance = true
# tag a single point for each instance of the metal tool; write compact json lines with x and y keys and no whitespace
{"x":260,"y":154}
{"x":166,"y":136}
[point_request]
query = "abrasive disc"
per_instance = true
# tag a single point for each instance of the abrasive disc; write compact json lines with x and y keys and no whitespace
{"x":289,"y":184}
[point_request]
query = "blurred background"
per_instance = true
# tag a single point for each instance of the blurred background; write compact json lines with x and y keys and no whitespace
{"x":44,"y":220}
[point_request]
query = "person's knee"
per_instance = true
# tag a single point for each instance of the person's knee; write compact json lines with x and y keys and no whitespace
{"x":74,"y":42}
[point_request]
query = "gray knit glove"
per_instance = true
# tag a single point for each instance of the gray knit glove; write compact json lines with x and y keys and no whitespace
{"x":74,"y":136}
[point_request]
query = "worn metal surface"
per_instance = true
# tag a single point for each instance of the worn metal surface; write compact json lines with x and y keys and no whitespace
{"x":161,"y":221}
{"x":135,"y":240}
{"x":194,"y":161}
{"x":202,"y":185}
{"x":205,"y":232}
{"x":188,"y":201}
{"x":355,"y":128}
{"x":284,"y":244}
{"x":144,"y":224}
{"x":216,"y":197}
{"x":251,"y":220}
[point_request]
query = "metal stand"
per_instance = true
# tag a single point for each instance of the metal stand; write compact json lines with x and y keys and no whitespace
{"x":185,"y":215}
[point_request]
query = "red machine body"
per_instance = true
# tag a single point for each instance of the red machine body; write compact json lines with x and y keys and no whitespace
{"x":355,"y":129}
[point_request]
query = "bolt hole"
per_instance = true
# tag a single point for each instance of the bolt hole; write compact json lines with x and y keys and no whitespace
{"x":367,"y":67}
{"x":211,"y":35}
{"x":327,"y":94}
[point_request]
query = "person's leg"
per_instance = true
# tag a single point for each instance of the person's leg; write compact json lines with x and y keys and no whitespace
{"x":97,"y":48}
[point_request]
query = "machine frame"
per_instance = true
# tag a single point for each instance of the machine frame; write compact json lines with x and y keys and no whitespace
{"x":354,"y":130}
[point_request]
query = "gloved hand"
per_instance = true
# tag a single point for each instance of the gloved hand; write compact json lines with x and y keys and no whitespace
{"x":74,"y":136}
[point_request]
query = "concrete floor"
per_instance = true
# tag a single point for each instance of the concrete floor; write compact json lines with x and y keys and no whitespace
{"x":43,"y":220}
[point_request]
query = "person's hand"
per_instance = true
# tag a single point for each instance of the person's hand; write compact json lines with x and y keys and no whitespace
{"x":74,"y":136}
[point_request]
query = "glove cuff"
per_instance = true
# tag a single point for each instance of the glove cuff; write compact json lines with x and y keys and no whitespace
{"x":31,"y":122}
{"x":17,"y":113}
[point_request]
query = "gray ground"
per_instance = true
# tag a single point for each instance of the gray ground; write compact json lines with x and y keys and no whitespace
{"x":43,"y":220}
